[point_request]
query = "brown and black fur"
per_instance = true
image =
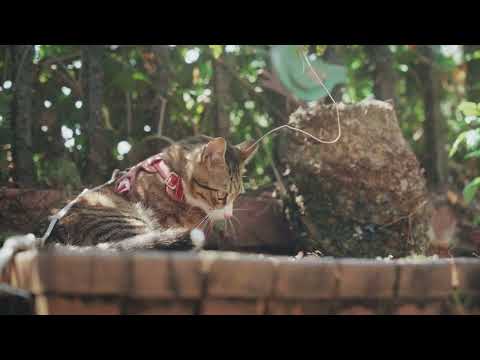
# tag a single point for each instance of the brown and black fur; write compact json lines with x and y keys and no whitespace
{"x":126,"y":221}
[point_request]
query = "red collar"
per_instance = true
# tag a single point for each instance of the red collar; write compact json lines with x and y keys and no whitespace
{"x":154,"y":164}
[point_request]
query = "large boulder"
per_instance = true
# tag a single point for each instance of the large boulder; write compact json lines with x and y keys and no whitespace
{"x":364,"y":196}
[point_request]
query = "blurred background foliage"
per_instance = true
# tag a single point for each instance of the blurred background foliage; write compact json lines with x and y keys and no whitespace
{"x":90,"y":107}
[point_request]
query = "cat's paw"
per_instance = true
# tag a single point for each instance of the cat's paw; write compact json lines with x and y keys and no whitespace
{"x":198,"y":238}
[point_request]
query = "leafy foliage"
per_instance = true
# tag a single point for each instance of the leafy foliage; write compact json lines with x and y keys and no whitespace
{"x":134,"y":89}
{"x":471,"y":139}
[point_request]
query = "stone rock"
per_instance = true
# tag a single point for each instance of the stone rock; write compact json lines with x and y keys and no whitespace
{"x":363,"y":196}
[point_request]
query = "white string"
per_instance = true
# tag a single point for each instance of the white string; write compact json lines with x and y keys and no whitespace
{"x":59,"y":215}
{"x":302,"y":131}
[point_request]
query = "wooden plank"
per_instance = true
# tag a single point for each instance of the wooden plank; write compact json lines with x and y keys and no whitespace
{"x":467,"y":275}
{"x":308,"y":279}
{"x":146,"y":307}
{"x":356,"y":310}
{"x":58,"y":305}
{"x":67,"y":272}
{"x":111,"y":274}
{"x":174,"y":283}
{"x":366,"y":279}
{"x":151,"y":276}
{"x":233,"y":307}
{"x":279,"y":307}
{"x":186,"y":276}
{"x":240,"y":277}
{"x":416,"y":309}
{"x":425,"y":280}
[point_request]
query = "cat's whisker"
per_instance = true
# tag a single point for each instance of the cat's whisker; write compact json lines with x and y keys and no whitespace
{"x":201,"y":222}
{"x":234,"y":231}
{"x":231,"y":230}
{"x":209,"y":228}
{"x":236,"y":219}
{"x":225,"y":228}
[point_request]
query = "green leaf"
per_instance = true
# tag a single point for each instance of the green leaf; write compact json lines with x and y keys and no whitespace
{"x":216,"y":50}
{"x":457,"y":143}
{"x":137,"y":75}
{"x":470,"y":190}
{"x":469,"y":108}
{"x":476,"y":220}
{"x":446,"y":63}
{"x":474,"y":154}
{"x":295,"y":74}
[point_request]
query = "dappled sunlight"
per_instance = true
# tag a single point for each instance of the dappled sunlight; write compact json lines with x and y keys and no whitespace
{"x":123,"y":147}
{"x":66,"y":90}
{"x":192,"y":55}
{"x":67,"y":133}
{"x":358,"y":164}
{"x":149,"y":95}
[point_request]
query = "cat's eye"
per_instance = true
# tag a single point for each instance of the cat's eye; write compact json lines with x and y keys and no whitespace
{"x":220,"y":195}
{"x":202,"y":185}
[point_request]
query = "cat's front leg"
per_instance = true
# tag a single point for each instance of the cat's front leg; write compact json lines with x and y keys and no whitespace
{"x":171,"y":239}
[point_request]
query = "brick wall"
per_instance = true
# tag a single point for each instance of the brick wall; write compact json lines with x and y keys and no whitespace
{"x":98,"y":282}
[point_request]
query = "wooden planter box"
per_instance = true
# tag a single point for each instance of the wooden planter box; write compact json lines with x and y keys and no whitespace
{"x":101,"y":282}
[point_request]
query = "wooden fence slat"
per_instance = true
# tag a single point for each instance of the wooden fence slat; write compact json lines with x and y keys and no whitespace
{"x":58,"y":305}
{"x":240,"y":278}
{"x":111,"y":274}
{"x":366,"y":279}
{"x":422,"y":280}
{"x":151,"y":277}
{"x":103,"y":282}
{"x":306,"y":280}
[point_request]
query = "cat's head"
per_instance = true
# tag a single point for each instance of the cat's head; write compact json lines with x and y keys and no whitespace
{"x":214,"y":176}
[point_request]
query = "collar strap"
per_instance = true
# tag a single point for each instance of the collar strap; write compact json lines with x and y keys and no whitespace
{"x":152,"y":165}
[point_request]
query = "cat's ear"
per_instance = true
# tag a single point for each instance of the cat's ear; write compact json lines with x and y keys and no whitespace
{"x":247,"y":150}
{"x":215,"y":150}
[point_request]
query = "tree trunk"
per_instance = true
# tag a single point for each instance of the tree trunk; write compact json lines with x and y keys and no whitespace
{"x":222,"y":81}
{"x":436,"y":158}
{"x":384,"y":73}
{"x":160,"y":83}
{"x":363,"y":196}
{"x":24,"y":171}
{"x":473,"y":73}
{"x":98,"y":157}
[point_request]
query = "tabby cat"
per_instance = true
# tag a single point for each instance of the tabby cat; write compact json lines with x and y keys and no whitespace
{"x":191,"y":184}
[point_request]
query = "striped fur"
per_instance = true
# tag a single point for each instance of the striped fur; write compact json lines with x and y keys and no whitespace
{"x":147,"y":217}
